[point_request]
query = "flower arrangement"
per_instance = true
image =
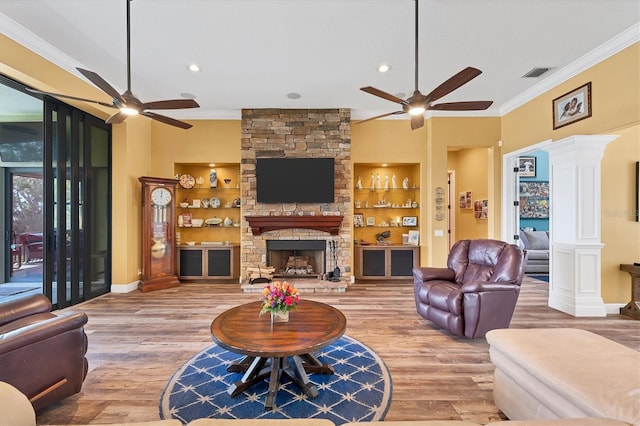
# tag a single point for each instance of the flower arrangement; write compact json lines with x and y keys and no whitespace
{"x":279,"y":297}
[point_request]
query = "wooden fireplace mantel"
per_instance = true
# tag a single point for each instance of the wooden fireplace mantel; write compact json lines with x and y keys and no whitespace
{"x":260,"y":224}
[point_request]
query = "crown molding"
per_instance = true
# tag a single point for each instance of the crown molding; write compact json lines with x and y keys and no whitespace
{"x":31,"y":41}
{"x":607,"y":49}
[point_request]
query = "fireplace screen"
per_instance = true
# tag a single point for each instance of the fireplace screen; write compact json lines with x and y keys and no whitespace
{"x":297,"y":258}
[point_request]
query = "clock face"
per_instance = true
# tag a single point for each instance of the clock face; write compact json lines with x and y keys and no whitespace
{"x":161,"y":196}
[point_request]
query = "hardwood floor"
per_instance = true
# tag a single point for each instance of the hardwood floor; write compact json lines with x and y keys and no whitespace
{"x":137,"y":341}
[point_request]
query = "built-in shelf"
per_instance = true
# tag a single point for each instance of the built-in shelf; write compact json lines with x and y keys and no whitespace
{"x":260,"y":224}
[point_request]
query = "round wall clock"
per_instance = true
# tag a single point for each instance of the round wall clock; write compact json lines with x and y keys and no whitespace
{"x":187,"y":181}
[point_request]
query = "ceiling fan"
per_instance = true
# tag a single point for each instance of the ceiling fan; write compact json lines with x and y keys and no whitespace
{"x":127,"y":103}
{"x":417,"y":103}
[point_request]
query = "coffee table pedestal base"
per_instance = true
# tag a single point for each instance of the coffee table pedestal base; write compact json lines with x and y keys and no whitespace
{"x":295,"y":367}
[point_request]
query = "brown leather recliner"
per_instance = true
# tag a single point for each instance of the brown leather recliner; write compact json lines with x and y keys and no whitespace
{"x":478,"y":290}
{"x":42,"y":354}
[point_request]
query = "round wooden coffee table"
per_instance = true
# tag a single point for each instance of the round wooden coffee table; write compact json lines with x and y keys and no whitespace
{"x":274,"y":349}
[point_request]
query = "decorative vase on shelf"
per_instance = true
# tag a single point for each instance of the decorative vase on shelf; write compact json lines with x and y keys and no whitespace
{"x":213,"y":179}
{"x":280,"y":316}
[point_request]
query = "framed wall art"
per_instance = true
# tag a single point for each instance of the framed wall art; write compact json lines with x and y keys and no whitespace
{"x":572,"y":106}
{"x":371,"y":221}
{"x":465,"y":200}
{"x":527,"y":166}
{"x":534,"y":200}
{"x":481,"y":209}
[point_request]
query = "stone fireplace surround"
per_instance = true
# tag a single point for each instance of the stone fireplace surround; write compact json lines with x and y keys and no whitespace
{"x":289,"y":133}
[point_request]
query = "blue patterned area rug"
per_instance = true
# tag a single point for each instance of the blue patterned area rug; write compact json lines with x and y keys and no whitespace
{"x":360,"y":390}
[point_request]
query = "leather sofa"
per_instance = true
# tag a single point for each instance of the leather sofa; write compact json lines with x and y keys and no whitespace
{"x":16,"y":411}
{"x":478,"y":290}
{"x":42,"y":354}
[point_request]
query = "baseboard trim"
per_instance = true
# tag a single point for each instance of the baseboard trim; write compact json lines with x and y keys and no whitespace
{"x":124,"y":288}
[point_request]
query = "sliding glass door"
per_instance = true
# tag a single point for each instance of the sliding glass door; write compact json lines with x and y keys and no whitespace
{"x":77,"y":220}
{"x":55,"y":163}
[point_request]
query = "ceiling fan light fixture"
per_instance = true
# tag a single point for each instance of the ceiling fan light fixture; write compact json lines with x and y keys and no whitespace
{"x":129,"y":110}
{"x":417,"y":110}
{"x":194,"y":67}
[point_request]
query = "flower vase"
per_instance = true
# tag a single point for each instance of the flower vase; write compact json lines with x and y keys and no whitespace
{"x":280,"y":316}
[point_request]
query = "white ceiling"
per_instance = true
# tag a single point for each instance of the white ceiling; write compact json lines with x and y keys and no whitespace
{"x":253,"y":52}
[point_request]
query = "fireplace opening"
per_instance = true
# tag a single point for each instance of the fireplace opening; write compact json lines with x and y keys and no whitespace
{"x":297,"y":258}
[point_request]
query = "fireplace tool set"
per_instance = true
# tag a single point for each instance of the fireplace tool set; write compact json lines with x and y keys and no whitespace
{"x":334,"y":276}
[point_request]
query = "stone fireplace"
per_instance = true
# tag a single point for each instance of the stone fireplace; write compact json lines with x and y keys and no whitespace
{"x":291,"y":133}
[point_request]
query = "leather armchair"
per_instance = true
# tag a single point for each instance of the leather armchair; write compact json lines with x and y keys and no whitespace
{"x":42,"y":354}
{"x":478,"y":290}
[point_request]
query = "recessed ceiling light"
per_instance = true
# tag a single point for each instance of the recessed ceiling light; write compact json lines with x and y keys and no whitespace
{"x":384,"y":67}
{"x":212,"y":164}
{"x":194,"y":67}
{"x":294,"y":95}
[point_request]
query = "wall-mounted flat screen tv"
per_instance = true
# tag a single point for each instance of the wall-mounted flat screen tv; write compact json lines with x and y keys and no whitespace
{"x":295,"y":180}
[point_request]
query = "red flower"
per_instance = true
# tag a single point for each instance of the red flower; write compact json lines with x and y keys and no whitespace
{"x":288,"y":300}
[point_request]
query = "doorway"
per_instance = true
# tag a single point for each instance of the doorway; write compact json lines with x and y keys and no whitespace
{"x":26,"y":203}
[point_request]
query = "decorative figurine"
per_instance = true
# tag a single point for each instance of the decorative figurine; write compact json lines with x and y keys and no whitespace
{"x":359,"y":183}
{"x":378,"y":183}
{"x":373,"y":182}
{"x":386,"y":183}
{"x":405,"y":183}
{"x":394,"y":182}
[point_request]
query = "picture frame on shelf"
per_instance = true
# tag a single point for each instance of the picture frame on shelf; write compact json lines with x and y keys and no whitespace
{"x":572,"y":106}
{"x":527,"y":166}
{"x":414,"y":238}
{"x":409,"y":221}
{"x":371,"y":221}
{"x":358,"y":220}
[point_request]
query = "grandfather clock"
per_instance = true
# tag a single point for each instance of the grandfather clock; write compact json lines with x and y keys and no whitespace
{"x":158,"y":234}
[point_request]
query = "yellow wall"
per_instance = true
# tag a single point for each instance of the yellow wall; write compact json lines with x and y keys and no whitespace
{"x":472,"y":172}
{"x":616,"y":110}
{"x":142,"y":147}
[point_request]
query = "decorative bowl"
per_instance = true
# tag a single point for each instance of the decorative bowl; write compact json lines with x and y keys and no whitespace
{"x":191,"y":243}
{"x":184,"y":205}
{"x":197,"y":223}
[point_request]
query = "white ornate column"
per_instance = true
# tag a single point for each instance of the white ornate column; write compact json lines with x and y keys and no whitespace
{"x":575,"y":260}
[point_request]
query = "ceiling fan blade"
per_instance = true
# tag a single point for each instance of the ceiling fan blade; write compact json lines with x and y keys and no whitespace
{"x":462,"y":106}
{"x":116,"y":118}
{"x":453,"y":83}
{"x":383,"y":95}
{"x":417,"y":121}
{"x":171,"y":104}
{"x":101,"y":84}
{"x":167,"y":120}
{"x":58,"y":95}
{"x":379,"y":116}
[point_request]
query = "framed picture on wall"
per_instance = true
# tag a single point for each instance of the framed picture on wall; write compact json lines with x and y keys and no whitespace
{"x":572,"y":106}
{"x":527,"y":166}
{"x":534,"y":200}
{"x":637,"y":191}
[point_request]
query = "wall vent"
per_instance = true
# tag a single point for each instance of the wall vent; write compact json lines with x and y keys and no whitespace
{"x":536,"y":72}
